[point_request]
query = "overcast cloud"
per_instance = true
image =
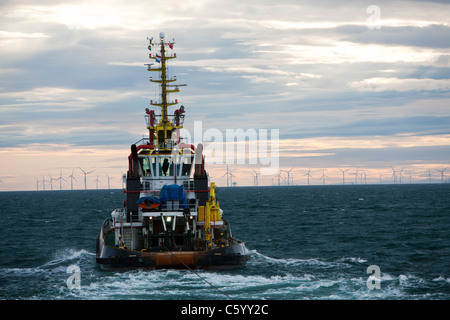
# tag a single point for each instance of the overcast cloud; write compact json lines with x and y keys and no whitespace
{"x":343,"y":94}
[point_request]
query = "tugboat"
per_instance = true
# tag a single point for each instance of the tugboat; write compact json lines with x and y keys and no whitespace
{"x":171,"y":217}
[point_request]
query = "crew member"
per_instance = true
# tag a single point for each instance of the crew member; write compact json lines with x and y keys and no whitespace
{"x":178,"y":113}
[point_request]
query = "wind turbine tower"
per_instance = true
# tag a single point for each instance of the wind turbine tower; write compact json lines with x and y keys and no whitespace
{"x":343,"y":175}
{"x":60,"y":180}
{"x":279,"y":178}
{"x":356,"y":175}
{"x":442,"y":174}
{"x":255,"y":178}
{"x":401,"y":175}
{"x":288,"y":175}
{"x":51,"y":181}
{"x":43,"y":182}
{"x":229,"y":177}
{"x":233,"y":184}
{"x":71,"y":179}
{"x":97,"y":181}
{"x":323,"y":177}
{"x":85,"y":174}
{"x":309,"y":175}
{"x":109,"y":178}
{"x":124,"y":180}
{"x":393,"y":174}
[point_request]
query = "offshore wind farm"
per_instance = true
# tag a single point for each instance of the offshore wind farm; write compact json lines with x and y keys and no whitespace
{"x":335,"y":176}
{"x":78,"y":179}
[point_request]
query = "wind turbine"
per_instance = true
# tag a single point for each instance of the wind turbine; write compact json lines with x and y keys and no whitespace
{"x":429,"y":175}
{"x":109,"y":178}
{"x":43,"y":182}
{"x":401,"y":175}
{"x":323,"y":177}
{"x":51,"y":181}
{"x":356,"y":175}
{"x":255,"y":178}
{"x":442,"y":174}
{"x":71,"y":179}
{"x":288,"y":175}
{"x":309,"y":175}
{"x":279,"y":178}
{"x":85,"y":174}
{"x":60,"y":180}
{"x":96,"y":180}
{"x":393,"y":174}
{"x":362,"y":176}
{"x":37,"y":183}
{"x":229,"y":177}
{"x":343,"y":175}
{"x":123,"y":179}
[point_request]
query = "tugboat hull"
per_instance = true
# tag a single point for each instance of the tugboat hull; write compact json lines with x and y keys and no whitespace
{"x":112,"y":258}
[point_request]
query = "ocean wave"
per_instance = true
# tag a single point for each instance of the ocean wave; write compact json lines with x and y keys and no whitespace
{"x":259,"y":257}
{"x":65,"y":256}
{"x":352,"y":259}
{"x":345,"y":261}
{"x":441,"y":278}
{"x":241,"y":284}
{"x":264,"y":277}
{"x":60,"y":261}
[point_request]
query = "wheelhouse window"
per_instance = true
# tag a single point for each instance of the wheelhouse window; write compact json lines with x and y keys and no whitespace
{"x":165,"y":166}
{"x":187,"y":163}
{"x":145,"y":165}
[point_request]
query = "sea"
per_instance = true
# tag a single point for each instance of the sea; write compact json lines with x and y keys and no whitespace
{"x":349,"y":242}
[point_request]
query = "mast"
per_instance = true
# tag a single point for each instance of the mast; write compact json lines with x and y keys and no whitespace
{"x":163,"y":127}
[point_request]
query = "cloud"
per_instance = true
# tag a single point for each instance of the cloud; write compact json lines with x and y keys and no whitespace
{"x":6,"y":37}
{"x":379,"y":84}
{"x":72,"y":74}
{"x":364,"y":142}
{"x":430,"y":34}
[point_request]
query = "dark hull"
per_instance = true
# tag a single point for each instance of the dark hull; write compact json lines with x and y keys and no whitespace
{"x":112,"y":258}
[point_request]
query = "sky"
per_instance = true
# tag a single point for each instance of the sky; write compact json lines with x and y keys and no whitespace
{"x":348,"y":85}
